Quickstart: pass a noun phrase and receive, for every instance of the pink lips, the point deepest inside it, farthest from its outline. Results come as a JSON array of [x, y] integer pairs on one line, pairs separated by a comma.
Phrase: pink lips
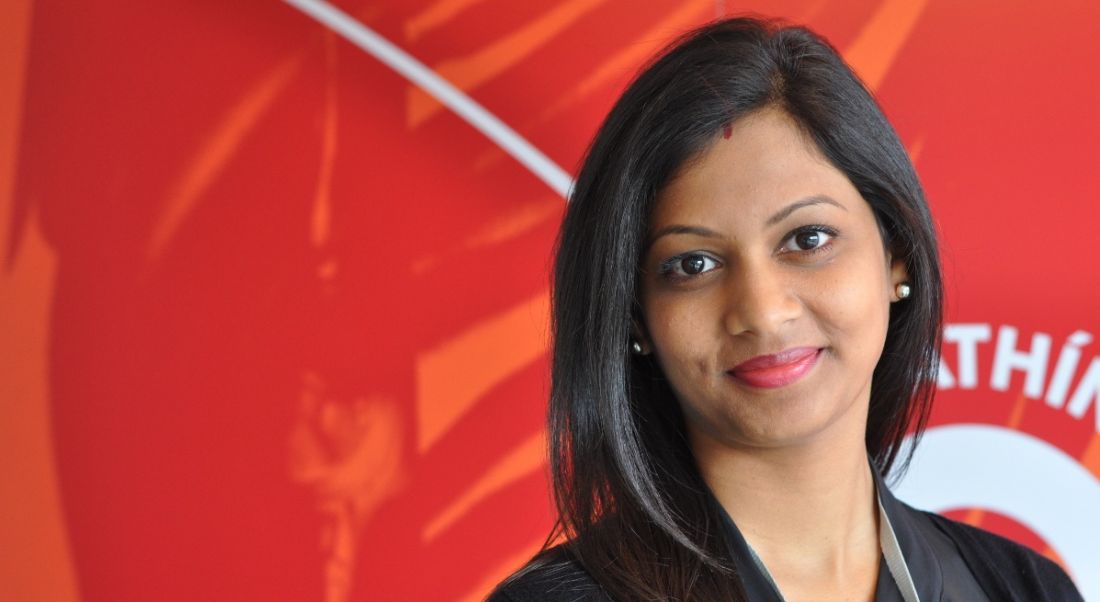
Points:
[[777, 370]]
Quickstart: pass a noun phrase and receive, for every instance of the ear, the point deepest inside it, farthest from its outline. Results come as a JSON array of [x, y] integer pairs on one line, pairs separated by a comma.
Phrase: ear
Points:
[[638, 333], [899, 274]]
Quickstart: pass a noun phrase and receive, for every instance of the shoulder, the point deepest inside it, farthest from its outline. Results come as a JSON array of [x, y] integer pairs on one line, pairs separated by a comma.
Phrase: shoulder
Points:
[[1004, 565], [553, 576]]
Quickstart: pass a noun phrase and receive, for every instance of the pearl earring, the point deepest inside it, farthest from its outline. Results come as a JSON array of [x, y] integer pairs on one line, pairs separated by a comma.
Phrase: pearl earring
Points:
[[636, 347], [903, 290]]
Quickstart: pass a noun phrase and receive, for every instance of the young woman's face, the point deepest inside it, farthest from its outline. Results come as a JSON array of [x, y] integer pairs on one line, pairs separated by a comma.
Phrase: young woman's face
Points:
[[766, 289]]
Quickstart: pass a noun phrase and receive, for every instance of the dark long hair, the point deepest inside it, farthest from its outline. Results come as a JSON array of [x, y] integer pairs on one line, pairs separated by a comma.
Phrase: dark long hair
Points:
[[629, 495]]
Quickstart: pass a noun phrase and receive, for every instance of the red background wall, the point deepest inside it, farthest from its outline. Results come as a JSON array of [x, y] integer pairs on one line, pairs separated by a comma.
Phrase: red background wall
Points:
[[273, 319]]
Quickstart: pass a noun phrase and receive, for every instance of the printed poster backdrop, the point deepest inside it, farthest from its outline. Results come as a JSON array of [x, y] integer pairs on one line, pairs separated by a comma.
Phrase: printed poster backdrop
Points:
[[274, 302]]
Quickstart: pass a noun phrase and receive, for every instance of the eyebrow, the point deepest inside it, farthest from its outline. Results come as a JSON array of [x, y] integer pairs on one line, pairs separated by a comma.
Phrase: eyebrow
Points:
[[817, 199], [678, 229], [782, 214]]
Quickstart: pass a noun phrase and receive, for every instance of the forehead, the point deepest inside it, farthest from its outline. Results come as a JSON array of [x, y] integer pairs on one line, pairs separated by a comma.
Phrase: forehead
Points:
[[764, 163]]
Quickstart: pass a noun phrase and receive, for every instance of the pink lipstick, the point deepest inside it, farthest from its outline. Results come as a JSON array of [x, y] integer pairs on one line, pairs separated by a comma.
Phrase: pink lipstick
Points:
[[778, 369]]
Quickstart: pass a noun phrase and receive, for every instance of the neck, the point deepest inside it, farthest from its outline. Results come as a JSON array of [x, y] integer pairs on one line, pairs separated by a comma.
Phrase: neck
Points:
[[817, 498]]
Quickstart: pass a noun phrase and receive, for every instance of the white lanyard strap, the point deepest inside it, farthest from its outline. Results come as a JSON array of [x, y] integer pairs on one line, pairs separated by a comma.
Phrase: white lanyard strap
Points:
[[891, 551]]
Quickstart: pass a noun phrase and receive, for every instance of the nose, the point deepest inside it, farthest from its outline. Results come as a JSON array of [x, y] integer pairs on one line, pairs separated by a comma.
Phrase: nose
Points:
[[761, 300]]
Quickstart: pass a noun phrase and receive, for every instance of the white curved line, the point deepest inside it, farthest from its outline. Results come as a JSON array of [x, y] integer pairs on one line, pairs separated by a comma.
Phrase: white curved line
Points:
[[1015, 474], [451, 97]]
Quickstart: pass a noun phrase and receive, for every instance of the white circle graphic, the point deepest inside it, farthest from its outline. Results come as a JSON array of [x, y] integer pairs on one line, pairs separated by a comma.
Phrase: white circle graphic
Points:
[[1019, 476]]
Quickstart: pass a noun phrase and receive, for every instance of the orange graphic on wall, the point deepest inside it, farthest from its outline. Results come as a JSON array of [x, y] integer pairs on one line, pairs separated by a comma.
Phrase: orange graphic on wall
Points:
[[275, 320]]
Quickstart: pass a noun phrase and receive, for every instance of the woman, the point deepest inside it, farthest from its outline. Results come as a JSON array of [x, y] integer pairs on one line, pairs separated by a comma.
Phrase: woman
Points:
[[747, 307]]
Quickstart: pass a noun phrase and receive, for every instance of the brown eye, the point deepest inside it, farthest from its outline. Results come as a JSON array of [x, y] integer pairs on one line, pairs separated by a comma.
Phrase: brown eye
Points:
[[686, 266], [807, 240], [693, 265]]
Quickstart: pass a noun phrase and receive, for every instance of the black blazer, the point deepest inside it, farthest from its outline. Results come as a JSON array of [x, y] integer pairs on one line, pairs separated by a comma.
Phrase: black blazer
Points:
[[948, 561]]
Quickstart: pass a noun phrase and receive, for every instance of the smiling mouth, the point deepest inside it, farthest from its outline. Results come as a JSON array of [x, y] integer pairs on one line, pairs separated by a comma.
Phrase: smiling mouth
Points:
[[778, 369]]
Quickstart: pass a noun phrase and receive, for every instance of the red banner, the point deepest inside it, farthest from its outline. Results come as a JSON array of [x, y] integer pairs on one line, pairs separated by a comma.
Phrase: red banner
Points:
[[275, 279]]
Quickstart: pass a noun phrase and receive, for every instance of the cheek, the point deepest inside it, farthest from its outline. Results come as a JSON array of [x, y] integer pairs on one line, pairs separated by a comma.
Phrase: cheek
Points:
[[678, 330], [865, 307], [854, 304]]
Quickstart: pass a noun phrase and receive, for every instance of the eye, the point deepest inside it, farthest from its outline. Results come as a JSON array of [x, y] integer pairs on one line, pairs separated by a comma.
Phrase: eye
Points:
[[685, 266], [808, 239]]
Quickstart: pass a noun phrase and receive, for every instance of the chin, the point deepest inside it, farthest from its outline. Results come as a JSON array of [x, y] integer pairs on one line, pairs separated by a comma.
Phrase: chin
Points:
[[794, 424]]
